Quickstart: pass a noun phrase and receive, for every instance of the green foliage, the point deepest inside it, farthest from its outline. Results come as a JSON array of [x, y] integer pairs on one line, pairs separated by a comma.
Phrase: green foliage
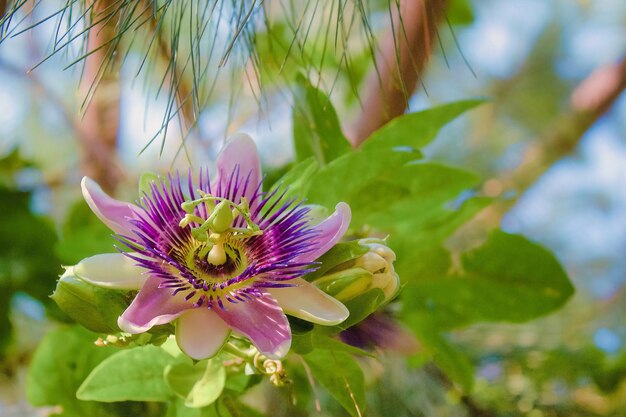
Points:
[[362, 306], [341, 375], [198, 384], [26, 241], [94, 307], [316, 129], [450, 359], [460, 12], [133, 374], [27, 260], [338, 254], [506, 279], [83, 235], [63, 360], [418, 129], [419, 204]]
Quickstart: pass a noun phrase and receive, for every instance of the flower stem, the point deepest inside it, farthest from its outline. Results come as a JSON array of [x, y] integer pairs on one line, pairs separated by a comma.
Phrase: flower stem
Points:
[[235, 351]]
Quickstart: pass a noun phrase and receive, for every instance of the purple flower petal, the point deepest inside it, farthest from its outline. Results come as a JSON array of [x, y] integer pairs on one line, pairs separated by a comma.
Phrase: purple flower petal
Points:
[[201, 333], [327, 233], [112, 270], [152, 306], [238, 169], [306, 301], [263, 322], [115, 214]]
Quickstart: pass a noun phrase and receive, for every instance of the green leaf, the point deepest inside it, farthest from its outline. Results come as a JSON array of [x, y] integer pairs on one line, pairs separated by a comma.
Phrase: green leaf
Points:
[[200, 384], [460, 12], [133, 374], [297, 180], [27, 260], [6, 327], [351, 173], [329, 343], [83, 234], [362, 306], [239, 382], [319, 339], [94, 307], [449, 358], [228, 406], [316, 129], [417, 129], [507, 279], [415, 245], [409, 197], [342, 377], [145, 182], [62, 361]]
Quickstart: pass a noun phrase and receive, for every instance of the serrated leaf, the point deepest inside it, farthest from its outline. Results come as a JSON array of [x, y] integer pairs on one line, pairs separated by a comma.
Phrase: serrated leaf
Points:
[[135, 374], [200, 384], [341, 376], [316, 129]]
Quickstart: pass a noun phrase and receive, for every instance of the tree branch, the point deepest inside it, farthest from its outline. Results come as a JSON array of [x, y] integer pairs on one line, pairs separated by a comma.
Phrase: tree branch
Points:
[[590, 100], [404, 52], [101, 88]]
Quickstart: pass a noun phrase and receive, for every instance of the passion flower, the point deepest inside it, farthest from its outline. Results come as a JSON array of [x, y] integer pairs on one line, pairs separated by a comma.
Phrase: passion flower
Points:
[[217, 255]]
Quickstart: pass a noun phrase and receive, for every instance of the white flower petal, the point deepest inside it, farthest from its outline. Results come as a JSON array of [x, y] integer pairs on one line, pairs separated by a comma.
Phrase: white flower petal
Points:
[[112, 270], [306, 301], [201, 333]]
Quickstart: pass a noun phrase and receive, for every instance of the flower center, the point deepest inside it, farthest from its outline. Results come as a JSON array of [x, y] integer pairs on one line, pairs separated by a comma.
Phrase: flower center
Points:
[[215, 255]]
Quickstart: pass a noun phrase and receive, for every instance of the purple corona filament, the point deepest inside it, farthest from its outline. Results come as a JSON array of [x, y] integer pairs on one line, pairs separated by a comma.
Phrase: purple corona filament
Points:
[[264, 260]]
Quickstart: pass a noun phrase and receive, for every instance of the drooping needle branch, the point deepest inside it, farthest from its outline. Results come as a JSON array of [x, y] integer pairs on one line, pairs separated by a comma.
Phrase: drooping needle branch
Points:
[[403, 54]]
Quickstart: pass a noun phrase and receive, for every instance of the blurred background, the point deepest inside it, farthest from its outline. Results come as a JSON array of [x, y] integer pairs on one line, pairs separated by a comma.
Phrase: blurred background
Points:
[[550, 146]]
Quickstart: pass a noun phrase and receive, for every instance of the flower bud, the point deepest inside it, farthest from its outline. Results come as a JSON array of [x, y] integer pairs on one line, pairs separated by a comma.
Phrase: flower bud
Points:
[[379, 260], [94, 307], [372, 269]]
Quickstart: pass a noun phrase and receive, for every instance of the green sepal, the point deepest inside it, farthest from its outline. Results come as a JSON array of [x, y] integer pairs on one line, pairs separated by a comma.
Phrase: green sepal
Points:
[[340, 253], [345, 285], [95, 308]]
